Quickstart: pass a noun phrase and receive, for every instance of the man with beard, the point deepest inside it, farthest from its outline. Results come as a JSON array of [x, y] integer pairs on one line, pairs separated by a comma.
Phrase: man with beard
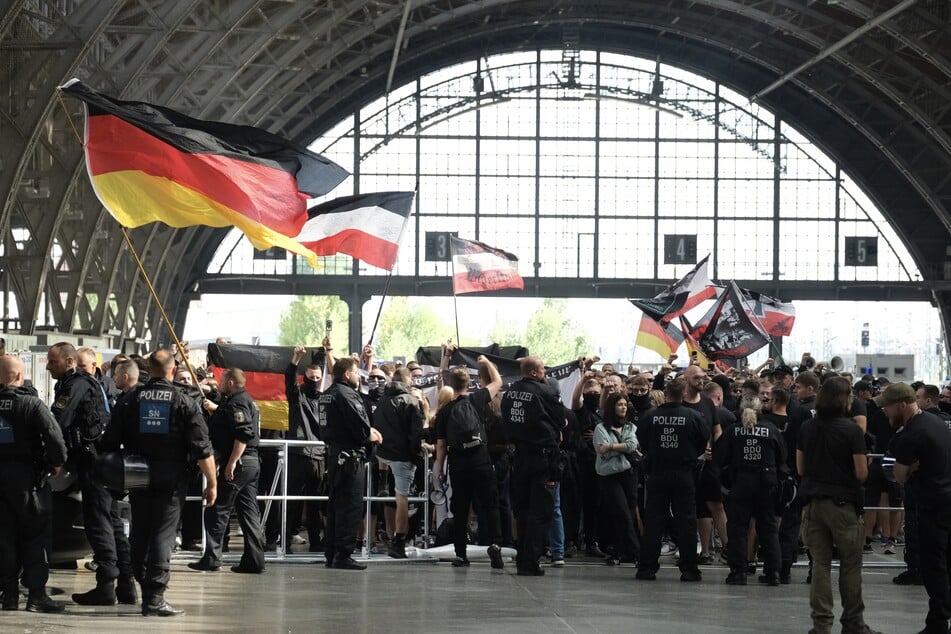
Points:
[[922, 451]]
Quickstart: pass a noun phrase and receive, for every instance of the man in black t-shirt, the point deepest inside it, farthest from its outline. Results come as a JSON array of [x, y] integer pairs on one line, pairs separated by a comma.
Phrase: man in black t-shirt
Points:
[[922, 453], [831, 458], [460, 434], [710, 509]]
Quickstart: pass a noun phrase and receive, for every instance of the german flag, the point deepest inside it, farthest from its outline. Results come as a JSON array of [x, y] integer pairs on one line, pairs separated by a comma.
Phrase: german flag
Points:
[[149, 164], [661, 338], [264, 375]]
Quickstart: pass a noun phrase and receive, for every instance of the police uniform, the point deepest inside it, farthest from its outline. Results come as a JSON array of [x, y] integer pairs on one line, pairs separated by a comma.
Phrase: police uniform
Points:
[[673, 437], [533, 418], [345, 427], [752, 457], [159, 422], [80, 408], [925, 440], [30, 443], [237, 418], [791, 516]]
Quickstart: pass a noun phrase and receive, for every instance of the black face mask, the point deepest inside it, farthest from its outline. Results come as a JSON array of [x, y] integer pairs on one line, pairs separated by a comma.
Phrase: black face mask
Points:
[[641, 402], [590, 401], [311, 388], [375, 393], [944, 406]]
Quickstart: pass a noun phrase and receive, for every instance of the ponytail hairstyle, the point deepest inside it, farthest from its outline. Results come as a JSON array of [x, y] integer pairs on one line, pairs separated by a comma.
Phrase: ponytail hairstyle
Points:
[[750, 408]]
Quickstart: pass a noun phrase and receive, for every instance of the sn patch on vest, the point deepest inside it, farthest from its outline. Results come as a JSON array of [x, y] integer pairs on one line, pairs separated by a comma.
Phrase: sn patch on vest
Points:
[[154, 417], [6, 432]]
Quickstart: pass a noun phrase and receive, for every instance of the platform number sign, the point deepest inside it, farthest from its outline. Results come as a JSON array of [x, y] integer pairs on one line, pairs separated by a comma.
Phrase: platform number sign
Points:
[[438, 248], [680, 249], [861, 251]]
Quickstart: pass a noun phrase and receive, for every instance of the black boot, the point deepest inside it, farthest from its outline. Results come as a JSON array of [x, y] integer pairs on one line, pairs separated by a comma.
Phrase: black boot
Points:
[[38, 601], [103, 594], [397, 548], [737, 577], [125, 591]]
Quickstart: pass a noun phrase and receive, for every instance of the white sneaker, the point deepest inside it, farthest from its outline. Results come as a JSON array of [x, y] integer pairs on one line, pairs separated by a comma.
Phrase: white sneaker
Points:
[[558, 563]]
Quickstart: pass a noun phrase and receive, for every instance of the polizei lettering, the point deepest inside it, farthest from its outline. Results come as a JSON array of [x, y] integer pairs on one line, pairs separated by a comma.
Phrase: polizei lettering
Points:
[[762, 432], [6, 406], [155, 395]]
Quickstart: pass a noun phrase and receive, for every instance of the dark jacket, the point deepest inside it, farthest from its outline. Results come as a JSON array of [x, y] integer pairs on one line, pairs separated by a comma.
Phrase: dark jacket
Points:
[[79, 406], [343, 417], [28, 432], [302, 414], [399, 419], [237, 418]]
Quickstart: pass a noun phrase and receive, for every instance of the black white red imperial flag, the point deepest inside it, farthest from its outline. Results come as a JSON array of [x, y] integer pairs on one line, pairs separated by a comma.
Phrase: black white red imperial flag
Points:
[[478, 267], [367, 227]]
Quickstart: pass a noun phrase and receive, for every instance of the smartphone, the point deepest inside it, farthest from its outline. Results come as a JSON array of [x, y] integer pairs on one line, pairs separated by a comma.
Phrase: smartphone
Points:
[[710, 366], [329, 325]]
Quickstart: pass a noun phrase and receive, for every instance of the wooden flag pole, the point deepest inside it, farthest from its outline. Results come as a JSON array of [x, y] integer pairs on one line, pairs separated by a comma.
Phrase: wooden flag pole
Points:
[[386, 290]]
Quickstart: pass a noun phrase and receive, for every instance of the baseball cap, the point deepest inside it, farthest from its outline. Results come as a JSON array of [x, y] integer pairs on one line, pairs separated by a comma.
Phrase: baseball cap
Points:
[[896, 393], [862, 386], [782, 369]]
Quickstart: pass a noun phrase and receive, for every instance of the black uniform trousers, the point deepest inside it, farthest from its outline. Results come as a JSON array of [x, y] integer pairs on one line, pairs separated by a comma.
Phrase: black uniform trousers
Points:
[[502, 474], [239, 495], [789, 528], [469, 484], [348, 483], [25, 529], [934, 533], [103, 526], [618, 501], [753, 495], [156, 511], [912, 548], [305, 476], [670, 488], [591, 520], [533, 504]]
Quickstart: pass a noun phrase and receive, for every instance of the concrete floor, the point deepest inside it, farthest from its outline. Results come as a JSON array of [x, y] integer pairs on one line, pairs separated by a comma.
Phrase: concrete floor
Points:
[[420, 596]]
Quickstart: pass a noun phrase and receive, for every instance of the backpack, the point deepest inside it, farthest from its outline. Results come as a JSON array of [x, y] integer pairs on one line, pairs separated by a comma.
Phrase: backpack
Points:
[[464, 429]]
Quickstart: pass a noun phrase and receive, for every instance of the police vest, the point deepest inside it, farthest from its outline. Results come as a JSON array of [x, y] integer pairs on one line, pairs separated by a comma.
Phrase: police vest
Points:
[[753, 448], [526, 419]]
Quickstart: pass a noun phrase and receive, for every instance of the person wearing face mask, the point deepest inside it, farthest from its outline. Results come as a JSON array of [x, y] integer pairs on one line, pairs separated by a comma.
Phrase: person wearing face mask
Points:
[[585, 402], [344, 425], [614, 441], [639, 400], [306, 465]]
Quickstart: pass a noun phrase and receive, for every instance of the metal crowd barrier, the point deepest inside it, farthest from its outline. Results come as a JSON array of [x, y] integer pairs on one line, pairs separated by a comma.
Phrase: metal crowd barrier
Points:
[[280, 479]]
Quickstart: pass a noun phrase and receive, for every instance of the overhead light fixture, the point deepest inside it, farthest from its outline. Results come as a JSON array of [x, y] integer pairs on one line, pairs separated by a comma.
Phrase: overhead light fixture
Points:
[[634, 102]]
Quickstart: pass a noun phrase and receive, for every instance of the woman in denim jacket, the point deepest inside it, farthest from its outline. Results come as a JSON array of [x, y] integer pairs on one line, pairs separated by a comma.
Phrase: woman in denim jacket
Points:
[[615, 443]]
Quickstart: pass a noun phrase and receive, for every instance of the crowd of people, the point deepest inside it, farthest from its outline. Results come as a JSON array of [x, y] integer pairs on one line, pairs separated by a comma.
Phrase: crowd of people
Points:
[[745, 466]]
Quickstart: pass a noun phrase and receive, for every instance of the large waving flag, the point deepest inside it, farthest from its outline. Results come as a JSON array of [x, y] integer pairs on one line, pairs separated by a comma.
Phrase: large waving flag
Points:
[[149, 163], [662, 337], [776, 318], [728, 331], [692, 345], [681, 296], [479, 267], [367, 226]]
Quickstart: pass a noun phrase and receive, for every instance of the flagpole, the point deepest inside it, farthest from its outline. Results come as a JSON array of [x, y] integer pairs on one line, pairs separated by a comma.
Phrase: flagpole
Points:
[[138, 262], [386, 290], [158, 302]]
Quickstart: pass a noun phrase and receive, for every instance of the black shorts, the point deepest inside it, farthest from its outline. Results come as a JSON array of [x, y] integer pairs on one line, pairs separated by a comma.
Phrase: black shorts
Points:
[[876, 485], [708, 487]]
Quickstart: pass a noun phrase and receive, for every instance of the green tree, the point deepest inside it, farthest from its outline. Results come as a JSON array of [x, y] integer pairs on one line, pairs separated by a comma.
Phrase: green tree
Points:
[[506, 333], [404, 327], [554, 337], [304, 321]]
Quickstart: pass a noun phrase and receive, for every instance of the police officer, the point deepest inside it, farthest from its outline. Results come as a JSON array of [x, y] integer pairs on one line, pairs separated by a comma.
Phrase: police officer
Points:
[[79, 406], [345, 427], [922, 451], [751, 453], [31, 445], [234, 429], [159, 422], [533, 418], [673, 437]]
